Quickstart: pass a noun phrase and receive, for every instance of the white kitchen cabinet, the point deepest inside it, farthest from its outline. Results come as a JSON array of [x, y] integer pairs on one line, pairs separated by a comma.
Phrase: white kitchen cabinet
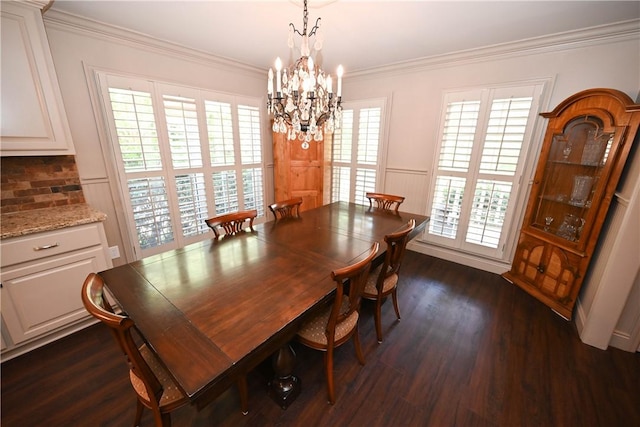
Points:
[[3, 343], [42, 275], [33, 119]]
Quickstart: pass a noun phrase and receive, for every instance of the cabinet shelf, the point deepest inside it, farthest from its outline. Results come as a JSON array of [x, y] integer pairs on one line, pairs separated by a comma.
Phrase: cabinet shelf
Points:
[[563, 201], [569, 163]]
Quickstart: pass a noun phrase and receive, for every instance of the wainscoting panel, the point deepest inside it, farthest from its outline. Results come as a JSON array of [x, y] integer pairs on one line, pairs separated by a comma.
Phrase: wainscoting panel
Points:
[[412, 184], [98, 195]]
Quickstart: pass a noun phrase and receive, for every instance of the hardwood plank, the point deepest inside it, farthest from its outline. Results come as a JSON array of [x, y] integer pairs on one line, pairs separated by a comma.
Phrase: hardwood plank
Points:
[[471, 349]]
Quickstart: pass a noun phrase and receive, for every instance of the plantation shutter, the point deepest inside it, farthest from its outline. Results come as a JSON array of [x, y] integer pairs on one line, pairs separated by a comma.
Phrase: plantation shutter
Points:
[[484, 136], [356, 151], [251, 155], [183, 155]]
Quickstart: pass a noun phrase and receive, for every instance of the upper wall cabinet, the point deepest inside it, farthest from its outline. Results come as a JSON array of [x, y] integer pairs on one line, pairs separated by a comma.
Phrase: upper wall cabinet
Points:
[[33, 120], [586, 144]]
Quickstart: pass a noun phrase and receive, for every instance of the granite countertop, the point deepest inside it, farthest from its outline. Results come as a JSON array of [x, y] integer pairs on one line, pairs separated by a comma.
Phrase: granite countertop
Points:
[[17, 224]]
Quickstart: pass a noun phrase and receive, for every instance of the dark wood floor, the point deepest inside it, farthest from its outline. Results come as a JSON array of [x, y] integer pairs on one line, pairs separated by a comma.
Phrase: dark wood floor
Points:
[[470, 350]]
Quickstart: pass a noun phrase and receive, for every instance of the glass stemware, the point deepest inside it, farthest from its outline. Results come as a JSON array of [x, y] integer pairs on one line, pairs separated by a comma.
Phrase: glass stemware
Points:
[[566, 151]]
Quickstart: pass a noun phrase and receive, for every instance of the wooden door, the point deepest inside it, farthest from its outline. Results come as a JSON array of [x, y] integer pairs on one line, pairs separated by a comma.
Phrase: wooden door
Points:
[[299, 172]]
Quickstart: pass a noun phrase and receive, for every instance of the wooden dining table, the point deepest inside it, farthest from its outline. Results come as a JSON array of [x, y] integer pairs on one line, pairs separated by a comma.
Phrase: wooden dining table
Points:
[[214, 310]]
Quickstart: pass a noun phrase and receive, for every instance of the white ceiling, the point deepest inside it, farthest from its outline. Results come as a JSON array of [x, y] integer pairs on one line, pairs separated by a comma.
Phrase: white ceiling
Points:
[[357, 34]]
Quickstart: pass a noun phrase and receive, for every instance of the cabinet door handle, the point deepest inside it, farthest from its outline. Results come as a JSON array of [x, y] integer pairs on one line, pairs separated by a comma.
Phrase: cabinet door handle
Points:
[[540, 268], [43, 247]]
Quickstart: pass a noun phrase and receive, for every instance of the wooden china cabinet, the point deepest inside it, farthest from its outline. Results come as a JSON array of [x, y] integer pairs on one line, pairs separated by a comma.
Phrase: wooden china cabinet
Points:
[[300, 172], [585, 147]]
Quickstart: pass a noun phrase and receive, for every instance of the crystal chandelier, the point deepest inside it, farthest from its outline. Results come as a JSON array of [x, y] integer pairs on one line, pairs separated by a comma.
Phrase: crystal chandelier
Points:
[[304, 105]]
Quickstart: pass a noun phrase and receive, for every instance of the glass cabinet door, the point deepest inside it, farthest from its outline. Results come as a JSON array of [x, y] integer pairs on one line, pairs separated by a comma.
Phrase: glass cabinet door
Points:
[[574, 166]]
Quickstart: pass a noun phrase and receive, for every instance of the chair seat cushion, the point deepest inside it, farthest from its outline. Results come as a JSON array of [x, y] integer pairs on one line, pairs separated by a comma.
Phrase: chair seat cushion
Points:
[[370, 290], [170, 394], [314, 329]]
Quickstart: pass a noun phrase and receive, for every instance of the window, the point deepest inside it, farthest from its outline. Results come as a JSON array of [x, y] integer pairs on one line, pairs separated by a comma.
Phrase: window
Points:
[[183, 155], [484, 138], [356, 151]]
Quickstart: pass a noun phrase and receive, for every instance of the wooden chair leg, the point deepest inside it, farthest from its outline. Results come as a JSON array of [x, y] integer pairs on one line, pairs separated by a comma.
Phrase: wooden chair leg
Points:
[[328, 366], [395, 302], [244, 394], [356, 343], [377, 315], [139, 410]]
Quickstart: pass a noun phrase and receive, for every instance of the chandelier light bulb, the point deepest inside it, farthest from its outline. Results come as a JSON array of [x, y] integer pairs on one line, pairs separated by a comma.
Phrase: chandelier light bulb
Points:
[[278, 81]]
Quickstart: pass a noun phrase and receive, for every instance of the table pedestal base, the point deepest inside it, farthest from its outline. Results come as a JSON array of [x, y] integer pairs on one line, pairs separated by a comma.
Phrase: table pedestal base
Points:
[[285, 387]]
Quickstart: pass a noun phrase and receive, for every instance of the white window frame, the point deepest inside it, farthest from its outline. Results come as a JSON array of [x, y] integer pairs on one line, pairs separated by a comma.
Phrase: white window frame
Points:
[[356, 189], [485, 96], [157, 90]]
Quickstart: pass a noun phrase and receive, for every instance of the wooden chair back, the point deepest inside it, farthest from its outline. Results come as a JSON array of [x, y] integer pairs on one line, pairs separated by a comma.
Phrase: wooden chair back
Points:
[[355, 277], [232, 223], [396, 247], [123, 329], [340, 320], [286, 208], [383, 280], [385, 201]]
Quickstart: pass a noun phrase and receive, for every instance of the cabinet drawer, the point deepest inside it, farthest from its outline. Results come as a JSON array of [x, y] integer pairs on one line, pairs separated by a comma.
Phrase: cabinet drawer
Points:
[[41, 245], [46, 297]]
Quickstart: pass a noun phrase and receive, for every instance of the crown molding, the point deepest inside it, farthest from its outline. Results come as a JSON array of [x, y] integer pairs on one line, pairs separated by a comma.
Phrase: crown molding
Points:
[[40, 4], [620, 31], [89, 28], [610, 33]]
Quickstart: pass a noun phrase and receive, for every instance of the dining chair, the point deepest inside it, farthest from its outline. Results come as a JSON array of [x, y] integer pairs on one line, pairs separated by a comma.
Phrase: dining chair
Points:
[[383, 280], [152, 383], [231, 223], [385, 201], [338, 322], [286, 208]]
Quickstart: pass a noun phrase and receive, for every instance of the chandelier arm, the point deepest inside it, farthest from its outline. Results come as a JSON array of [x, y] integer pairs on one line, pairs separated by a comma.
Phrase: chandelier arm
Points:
[[313, 31], [315, 28], [293, 27], [287, 118], [323, 118], [279, 110], [330, 111]]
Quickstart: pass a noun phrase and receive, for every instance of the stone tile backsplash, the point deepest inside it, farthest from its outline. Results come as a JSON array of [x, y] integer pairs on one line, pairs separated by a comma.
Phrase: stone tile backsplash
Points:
[[38, 182]]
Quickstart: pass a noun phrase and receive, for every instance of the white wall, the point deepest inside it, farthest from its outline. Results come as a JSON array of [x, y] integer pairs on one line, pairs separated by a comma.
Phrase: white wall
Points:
[[607, 57], [609, 309]]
